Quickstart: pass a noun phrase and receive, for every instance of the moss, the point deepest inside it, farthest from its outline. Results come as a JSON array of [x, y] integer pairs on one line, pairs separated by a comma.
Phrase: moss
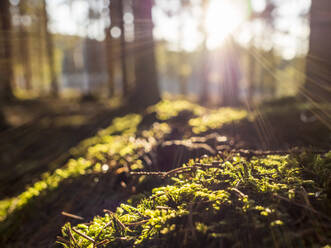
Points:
[[213, 202], [167, 109], [94, 153], [266, 201], [216, 119]]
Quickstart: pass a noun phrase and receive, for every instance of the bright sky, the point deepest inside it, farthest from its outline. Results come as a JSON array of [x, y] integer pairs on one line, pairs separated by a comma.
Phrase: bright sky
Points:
[[223, 18]]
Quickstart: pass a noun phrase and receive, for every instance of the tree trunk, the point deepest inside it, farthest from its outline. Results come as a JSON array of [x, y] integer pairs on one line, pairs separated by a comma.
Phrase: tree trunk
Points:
[[251, 74], [231, 76], [318, 71], [50, 53], [204, 80], [6, 70], [123, 50], [41, 58], [24, 48], [146, 90], [110, 62], [116, 11]]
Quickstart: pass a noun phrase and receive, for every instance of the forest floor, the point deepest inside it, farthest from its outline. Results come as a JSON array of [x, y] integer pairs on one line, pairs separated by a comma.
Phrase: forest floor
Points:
[[49, 184], [40, 134]]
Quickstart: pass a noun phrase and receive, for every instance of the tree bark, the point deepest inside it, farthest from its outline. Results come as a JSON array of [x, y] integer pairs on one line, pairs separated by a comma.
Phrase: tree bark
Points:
[[251, 74], [146, 91], [318, 71], [123, 50], [204, 53], [24, 48], [110, 62], [6, 70], [50, 53]]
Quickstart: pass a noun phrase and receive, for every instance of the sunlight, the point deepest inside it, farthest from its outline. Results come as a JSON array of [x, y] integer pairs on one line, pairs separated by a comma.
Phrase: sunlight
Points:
[[223, 17]]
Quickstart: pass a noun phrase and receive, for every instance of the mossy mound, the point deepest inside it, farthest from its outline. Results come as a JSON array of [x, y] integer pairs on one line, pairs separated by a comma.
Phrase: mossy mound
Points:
[[253, 200], [223, 201]]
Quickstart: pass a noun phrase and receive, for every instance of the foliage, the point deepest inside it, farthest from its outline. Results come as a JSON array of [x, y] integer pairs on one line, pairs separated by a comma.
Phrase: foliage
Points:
[[230, 201]]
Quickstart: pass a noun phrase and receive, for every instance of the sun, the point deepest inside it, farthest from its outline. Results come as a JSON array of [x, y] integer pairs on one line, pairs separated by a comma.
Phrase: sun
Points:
[[223, 17]]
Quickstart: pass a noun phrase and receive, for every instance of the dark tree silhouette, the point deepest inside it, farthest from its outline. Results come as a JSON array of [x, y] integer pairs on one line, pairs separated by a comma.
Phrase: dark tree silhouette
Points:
[[6, 71], [318, 82], [146, 89]]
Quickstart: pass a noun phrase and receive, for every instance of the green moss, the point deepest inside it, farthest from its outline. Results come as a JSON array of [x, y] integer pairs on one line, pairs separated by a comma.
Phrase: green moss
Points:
[[216, 119], [95, 152], [213, 202], [167, 109], [122, 125]]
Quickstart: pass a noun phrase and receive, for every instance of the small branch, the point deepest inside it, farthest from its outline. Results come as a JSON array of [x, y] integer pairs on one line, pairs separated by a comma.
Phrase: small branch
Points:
[[215, 164], [60, 239], [148, 173], [250, 153], [96, 239], [163, 207], [115, 217], [72, 237], [303, 206], [72, 216], [241, 194], [103, 242], [83, 235], [138, 223]]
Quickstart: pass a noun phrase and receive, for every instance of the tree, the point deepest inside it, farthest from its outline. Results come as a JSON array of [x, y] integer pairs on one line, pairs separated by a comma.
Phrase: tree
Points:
[[318, 70], [110, 59], [204, 52], [6, 70], [230, 75], [123, 49], [50, 52], [268, 20], [146, 89], [24, 46]]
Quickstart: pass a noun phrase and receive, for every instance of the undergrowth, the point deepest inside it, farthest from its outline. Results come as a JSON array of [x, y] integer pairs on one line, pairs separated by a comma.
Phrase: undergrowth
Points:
[[273, 201]]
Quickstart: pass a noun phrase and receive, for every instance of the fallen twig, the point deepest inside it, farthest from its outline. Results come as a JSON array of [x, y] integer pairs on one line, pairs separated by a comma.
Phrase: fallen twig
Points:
[[138, 223], [303, 206], [115, 217], [83, 235], [72, 215], [60, 239], [241, 194], [72, 237]]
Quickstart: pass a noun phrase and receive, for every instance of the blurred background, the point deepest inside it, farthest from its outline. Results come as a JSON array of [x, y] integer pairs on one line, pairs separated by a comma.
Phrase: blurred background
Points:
[[222, 52]]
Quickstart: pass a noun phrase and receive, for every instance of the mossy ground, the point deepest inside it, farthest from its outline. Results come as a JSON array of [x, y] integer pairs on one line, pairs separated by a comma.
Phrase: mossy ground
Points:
[[98, 177], [214, 202]]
